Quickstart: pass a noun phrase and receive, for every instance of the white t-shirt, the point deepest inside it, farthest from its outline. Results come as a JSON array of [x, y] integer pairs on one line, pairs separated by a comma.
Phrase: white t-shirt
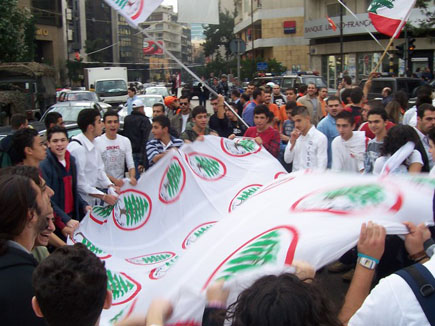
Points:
[[415, 157], [310, 151], [348, 155], [392, 303], [185, 117], [115, 154]]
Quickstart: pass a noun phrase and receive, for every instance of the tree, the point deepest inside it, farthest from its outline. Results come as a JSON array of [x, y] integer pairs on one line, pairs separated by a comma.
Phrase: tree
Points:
[[426, 27], [17, 33], [219, 35]]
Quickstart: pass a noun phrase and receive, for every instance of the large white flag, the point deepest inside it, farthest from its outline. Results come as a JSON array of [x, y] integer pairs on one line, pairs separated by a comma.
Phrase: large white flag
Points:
[[220, 209], [135, 11], [198, 11]]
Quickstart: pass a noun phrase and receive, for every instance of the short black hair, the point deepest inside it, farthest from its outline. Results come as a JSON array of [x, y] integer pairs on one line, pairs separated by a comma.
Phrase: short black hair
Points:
[[54, 130], [290, 105], [347, 79], [257, 92], [356, 95], [396, 137], [20, 140], [379, 111], [184, 97], [375, 104], [345, 115], [213, 97], [332, 98], [300, 110], [431, 135], [198, 110], [71, 279], [132, 89], [162, 121], [424, 91], [110, 113], [345, 95], [291, 89], [159, 104], [50, 118], [262, 108], [423, 108], [17, 120], [87, 117], [302, 88], [235, 92], [245, 96], [402, 98]]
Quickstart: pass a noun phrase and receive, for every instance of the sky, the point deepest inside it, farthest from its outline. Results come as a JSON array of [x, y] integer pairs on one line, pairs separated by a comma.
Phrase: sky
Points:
[[171, 2]]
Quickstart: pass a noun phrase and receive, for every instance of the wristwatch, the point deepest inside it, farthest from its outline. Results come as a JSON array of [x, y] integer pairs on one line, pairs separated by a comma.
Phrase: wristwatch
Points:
[[367, 263]]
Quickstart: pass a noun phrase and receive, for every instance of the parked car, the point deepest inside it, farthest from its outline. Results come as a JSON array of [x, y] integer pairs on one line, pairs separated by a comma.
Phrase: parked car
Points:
[[71, 127], [409, 85], [71, 110], [260, 81], [295, 81], [159, 90], [68, 96]]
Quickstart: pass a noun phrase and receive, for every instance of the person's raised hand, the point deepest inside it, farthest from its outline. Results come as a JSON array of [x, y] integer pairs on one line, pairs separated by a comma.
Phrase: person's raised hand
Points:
[[372, 240]]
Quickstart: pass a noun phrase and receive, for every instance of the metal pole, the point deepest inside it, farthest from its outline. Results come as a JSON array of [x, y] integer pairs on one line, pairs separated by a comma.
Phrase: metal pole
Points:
[[341, 41], [238, 60], [405, 52], [252, 34]]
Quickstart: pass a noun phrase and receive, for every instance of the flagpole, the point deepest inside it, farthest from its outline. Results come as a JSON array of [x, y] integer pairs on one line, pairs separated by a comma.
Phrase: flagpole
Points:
[[355, 16], [187, 69], [383, 54]]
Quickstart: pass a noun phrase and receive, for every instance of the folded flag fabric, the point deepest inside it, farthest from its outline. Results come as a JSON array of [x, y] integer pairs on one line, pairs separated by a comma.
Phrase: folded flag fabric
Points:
[[331, 23], [135, 11], [389, 16]]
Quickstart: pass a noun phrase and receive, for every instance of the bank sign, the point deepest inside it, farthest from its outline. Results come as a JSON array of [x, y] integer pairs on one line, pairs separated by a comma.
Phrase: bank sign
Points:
[[320, 27]]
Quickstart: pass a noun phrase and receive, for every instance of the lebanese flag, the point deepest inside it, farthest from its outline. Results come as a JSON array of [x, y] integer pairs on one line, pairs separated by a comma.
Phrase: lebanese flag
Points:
[[389, 16], [331, 23]]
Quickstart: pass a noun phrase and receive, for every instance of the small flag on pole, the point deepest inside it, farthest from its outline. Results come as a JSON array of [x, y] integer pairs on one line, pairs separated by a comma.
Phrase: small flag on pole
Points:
[[389, 16], [135, 11], [331, 23]]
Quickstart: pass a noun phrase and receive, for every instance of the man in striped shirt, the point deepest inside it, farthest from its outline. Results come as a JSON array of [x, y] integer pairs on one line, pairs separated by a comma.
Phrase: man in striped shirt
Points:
[[162, 142]]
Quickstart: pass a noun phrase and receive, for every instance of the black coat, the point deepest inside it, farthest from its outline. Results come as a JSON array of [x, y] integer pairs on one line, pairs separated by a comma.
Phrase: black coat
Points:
[[16, 292], [137, 128]]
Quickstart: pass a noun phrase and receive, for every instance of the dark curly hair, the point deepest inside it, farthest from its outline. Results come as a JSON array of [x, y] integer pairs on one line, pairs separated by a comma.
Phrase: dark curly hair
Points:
[[398, 136], [282, 300]]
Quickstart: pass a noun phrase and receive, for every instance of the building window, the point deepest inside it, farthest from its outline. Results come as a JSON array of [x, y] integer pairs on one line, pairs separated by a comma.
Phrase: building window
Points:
[[333, 10]]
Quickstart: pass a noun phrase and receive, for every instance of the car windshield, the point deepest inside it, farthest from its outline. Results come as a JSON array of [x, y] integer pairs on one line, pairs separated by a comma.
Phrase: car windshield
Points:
[[318, 81], [69, 113], [84, 96], [157, 90], [111, 86], [148, 101]]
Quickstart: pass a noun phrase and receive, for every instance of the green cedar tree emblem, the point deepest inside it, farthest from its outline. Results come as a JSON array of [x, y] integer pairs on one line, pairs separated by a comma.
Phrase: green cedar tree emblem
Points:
[[361, 195], [247, 144], [103, 211], [174, 177], [79, 237], [207, 167], [119, 285], [133, 210], [262, 251], [378, 4], [173, 182], [243, 196], [151, 259]]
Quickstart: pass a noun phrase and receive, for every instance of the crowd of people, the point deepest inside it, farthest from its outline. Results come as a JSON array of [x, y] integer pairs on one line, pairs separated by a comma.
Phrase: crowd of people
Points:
[[51, 182]]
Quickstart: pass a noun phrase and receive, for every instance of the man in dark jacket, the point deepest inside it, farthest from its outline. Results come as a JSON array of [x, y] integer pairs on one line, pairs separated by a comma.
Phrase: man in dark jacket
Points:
[[24, 207], [137, 128], [60, 172]]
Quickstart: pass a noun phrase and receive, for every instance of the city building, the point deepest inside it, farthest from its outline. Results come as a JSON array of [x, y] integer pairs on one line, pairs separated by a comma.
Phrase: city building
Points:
[[360, 52], [274, 29]]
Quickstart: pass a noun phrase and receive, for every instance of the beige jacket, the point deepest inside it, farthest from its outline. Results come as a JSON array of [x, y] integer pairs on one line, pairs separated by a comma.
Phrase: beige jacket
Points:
[[305, 101]]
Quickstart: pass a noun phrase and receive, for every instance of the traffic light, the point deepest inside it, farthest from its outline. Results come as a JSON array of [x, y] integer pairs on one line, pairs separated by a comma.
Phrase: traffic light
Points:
[[411, 47], [400, 50]]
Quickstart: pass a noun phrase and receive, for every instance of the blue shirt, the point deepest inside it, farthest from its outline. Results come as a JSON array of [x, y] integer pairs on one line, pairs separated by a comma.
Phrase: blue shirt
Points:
[[129, 104], [328, 128], [155, 147], [248, 114]]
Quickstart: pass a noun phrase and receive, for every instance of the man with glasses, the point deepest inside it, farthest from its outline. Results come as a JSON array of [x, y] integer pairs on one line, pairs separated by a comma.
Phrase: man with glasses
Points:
[[181, 120], [328, 126]]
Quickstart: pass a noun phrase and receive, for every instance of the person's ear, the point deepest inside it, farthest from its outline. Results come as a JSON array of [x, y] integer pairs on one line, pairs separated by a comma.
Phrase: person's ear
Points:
[[27, 151], [36, 308], [108, 300]]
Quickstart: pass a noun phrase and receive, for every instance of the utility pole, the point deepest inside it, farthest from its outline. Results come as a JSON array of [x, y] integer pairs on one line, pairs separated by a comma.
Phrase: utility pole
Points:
[[341, 42], [252, 35]]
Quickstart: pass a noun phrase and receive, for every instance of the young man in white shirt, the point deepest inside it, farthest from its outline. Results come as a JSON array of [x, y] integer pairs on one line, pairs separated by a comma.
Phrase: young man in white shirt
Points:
[[377, 120], [90, 166], [115, 150], [308, 147], [349, 147]]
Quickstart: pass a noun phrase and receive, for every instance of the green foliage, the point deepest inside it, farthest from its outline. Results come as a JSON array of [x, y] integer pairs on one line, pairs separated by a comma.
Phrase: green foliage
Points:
[[217, 35], [249, 67], [426, 28], [75, 69], [94, 45], [17, 33]]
